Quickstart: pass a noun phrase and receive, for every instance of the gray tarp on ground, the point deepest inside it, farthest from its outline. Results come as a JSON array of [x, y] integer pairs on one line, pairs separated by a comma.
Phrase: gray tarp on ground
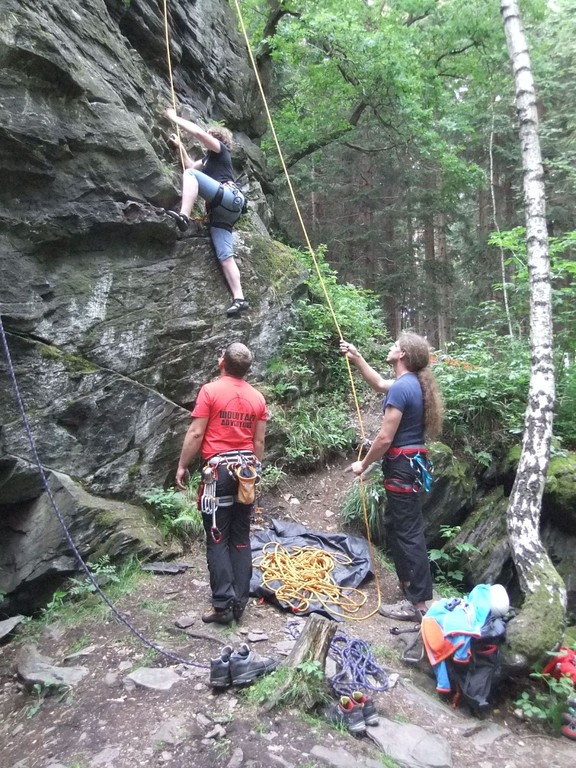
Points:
[[296, 535]]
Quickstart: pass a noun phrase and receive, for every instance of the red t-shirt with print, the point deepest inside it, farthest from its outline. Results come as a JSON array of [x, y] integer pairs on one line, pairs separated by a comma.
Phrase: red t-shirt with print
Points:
[[233, 407]]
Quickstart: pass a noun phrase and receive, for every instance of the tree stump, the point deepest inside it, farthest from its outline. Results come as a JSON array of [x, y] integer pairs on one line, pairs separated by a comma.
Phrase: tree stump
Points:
[[312, 646]]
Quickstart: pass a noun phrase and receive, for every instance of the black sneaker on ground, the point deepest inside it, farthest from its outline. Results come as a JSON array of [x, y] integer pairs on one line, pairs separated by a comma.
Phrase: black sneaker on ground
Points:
[[182, 221], [216, 616], [246, 665], [348, 713], [368, 708], [220, 676], [237, 306]]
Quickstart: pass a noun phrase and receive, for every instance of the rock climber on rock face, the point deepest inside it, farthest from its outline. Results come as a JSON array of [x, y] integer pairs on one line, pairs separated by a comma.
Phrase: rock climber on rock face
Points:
[[212, 179]]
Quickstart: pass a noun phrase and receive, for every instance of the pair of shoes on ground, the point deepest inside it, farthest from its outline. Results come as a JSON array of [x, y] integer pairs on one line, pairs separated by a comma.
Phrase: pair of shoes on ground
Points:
[[239, 667], [402, 611], [237, 306], [182, 221], [353, 712]]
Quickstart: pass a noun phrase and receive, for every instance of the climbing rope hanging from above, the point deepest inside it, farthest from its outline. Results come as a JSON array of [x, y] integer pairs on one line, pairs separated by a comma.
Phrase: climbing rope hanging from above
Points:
[[363, 439]]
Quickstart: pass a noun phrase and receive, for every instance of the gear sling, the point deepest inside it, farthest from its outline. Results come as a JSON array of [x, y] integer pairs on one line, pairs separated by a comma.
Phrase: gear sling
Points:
[[244, 469]]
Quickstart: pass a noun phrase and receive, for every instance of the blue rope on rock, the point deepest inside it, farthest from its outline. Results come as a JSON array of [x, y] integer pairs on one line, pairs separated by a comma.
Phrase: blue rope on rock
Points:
[[122, 619]]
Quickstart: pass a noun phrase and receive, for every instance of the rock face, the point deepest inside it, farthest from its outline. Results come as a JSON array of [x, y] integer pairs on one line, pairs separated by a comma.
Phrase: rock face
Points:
[[113, 318]]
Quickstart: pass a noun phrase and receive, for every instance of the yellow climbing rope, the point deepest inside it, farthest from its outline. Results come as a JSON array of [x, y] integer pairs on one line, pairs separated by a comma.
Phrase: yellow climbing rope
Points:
[[314, 260], [303, 576]]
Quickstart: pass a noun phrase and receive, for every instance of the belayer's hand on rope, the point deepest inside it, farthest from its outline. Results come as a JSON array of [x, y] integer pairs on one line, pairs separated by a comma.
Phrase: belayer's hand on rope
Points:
[[349, 350]]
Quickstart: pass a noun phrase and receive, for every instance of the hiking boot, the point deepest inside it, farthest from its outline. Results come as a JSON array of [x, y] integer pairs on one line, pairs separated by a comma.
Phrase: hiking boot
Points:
[[220, 676], [216, 616], [347, 713], [368, 708], [182, 221], [246, 665], [237, 306]]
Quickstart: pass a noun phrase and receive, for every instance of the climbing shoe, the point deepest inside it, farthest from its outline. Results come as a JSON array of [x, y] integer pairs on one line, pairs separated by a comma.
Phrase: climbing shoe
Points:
[[368, 708], [246, 665], [237, 306], [347, 713], [182, 221], [216, 616], [220, 676], [402, 611]]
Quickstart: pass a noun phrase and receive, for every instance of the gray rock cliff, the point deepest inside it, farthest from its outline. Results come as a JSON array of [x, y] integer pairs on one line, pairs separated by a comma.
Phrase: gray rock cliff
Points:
[[113, 318]]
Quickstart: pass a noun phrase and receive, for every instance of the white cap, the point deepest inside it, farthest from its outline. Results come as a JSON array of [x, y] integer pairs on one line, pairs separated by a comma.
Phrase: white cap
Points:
[[499, 600]]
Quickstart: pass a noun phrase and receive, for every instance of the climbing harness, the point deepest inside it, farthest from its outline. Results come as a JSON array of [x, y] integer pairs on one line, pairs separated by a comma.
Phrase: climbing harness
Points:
[[420, 462], [244, 469]]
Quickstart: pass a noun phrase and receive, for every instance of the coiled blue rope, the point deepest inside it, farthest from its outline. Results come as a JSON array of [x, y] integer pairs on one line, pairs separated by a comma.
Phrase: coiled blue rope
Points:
[[355, 662]]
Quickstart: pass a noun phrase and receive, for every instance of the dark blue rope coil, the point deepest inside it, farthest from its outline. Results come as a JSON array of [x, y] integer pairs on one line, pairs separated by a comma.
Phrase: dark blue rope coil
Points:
[[122, 619], [355, 662], [356, 665]]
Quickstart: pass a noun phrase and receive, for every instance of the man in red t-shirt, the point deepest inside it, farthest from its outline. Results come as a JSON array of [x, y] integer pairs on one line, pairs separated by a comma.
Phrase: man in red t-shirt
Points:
[[228, 420]]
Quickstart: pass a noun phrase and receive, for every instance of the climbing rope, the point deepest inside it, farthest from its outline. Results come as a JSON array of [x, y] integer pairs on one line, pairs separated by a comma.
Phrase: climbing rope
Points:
[[119, 616], [312, 252], [357, 668], [356, 665], [303, 576], [171, 80]]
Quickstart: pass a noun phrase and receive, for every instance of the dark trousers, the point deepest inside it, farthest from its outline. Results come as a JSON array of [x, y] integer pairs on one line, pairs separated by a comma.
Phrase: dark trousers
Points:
[[230, 559], [404, 526]]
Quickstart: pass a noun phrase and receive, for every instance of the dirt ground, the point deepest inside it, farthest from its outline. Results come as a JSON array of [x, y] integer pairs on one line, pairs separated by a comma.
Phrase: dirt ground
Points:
[[102, 722]]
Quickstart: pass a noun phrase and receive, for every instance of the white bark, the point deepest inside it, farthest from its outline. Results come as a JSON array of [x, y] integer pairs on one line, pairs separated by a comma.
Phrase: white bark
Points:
[[534, 568]]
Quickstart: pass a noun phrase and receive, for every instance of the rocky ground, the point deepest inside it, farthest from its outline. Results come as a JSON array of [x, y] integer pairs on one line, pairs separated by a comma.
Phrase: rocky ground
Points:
[[107, 719]]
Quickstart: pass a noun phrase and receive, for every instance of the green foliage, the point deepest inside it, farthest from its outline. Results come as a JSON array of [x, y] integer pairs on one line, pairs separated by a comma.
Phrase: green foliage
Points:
[[308, 382], [306, 688], [178, 512], [102, 570], [546, 706], [449, 577], [372, 498], [562, 275], [313, 430], [272, 476], [39, 691], [484, 383]]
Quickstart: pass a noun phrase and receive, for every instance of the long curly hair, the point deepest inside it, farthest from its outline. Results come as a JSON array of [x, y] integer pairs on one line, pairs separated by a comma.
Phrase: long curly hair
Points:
[[222, 134], [417, 360]]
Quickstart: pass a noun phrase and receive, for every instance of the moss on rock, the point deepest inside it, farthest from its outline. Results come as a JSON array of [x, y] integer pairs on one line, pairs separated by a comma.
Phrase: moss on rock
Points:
[[539, 626]]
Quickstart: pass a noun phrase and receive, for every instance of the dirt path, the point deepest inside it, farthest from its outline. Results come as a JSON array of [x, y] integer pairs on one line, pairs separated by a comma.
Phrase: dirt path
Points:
[[104, 722]]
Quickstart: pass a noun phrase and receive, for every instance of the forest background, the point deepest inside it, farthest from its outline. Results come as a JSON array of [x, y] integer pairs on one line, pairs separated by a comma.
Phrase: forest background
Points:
[[398, 129]]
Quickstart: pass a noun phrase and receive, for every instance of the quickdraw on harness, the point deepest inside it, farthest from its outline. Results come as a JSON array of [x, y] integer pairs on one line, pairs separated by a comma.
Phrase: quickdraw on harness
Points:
[[245, 469], [208, 499], [422, 465]]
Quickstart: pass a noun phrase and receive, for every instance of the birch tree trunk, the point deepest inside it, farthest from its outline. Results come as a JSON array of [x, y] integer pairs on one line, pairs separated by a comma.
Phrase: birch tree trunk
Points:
[[540, 624]]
